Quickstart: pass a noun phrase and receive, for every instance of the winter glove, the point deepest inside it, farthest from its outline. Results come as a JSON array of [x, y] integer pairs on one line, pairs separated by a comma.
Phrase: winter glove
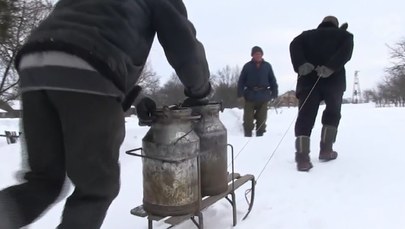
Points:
[[305, 69], [145, 110], [130, 97], [191, 102], [323, 71], [202, 95]]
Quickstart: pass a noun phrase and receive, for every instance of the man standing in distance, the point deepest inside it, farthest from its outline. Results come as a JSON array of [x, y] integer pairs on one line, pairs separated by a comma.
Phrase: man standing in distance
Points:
[[257, 85]]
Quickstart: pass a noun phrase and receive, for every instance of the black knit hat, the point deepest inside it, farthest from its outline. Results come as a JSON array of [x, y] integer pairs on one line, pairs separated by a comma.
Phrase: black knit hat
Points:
[[256, 49], [331, 19]]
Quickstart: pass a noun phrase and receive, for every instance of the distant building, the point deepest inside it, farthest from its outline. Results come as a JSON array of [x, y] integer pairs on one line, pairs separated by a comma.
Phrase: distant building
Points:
[[287, 99]]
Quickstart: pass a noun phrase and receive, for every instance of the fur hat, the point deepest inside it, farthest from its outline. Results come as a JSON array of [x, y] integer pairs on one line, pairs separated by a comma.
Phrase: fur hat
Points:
[[256, 49], [331, 19]]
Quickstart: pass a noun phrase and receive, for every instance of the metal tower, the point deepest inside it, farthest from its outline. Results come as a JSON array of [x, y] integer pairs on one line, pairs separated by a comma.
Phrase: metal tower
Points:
[[356, 98]]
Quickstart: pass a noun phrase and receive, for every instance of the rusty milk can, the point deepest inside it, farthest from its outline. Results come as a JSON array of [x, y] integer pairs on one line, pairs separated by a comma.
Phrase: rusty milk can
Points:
[[213, 149], [170, 169]]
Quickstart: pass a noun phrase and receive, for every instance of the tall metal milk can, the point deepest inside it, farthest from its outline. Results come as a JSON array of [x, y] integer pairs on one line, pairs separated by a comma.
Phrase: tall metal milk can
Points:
[[170, 169], [213, 149]]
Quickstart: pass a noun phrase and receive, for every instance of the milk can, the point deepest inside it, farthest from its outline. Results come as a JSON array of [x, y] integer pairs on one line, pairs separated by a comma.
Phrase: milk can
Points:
[[213, 149], [170, 170]]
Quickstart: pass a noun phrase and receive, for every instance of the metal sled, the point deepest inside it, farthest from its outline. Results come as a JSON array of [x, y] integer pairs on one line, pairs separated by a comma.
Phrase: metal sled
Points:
[[235, 180]]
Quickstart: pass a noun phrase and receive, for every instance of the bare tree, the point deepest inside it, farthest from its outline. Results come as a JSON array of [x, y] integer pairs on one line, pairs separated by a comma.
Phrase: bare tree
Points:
[[226, 76], [391, 91], [23, 16], [172, 92], [149, 80], [5, 18], [370, 95], [225, 86]]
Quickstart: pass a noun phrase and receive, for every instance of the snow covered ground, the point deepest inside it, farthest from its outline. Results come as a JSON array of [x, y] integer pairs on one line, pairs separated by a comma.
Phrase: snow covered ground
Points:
[[363, 188]]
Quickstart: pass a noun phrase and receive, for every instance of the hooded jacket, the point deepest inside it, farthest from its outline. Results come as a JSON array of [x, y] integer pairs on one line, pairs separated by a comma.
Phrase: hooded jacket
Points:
[[115, 38]]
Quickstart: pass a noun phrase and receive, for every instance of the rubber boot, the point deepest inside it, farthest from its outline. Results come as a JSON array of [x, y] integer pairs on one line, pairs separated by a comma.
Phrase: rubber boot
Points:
[[302, 153], [328, 137], [9, 218]]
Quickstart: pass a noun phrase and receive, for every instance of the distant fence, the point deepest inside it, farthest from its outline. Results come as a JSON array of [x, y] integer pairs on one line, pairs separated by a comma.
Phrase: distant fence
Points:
[[10, 114], [11, 136]]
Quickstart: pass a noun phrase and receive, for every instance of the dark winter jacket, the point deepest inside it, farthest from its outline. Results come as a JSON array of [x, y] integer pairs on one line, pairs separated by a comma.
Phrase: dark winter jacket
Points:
[[327, 45], [257, 84], [115, 38]]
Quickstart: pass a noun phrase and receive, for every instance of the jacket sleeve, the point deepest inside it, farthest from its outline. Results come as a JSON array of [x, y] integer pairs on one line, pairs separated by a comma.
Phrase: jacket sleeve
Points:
[[343, 54], [297, 52], [272, 80], [183, 51], [241, 82]]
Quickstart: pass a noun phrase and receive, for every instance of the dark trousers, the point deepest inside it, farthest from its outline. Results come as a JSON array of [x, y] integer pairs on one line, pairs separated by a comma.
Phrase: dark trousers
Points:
[[252, 111], [308, 104], [73, 134]]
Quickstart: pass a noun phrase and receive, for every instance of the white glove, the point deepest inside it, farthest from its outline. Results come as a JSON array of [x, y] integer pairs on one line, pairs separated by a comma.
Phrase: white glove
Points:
[[323, 71], [305, 69]]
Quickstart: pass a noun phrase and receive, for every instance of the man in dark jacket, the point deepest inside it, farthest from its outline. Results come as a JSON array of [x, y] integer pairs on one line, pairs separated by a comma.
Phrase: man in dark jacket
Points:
[[78, 73], [319, 57], [257, 85]]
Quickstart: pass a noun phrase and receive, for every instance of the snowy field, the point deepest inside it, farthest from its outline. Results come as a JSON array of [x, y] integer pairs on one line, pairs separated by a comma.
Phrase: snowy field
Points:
[[363, 188]]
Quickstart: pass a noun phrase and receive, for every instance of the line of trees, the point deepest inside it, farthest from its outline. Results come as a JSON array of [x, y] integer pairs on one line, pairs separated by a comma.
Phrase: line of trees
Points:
[[391, 91], [224, 82]]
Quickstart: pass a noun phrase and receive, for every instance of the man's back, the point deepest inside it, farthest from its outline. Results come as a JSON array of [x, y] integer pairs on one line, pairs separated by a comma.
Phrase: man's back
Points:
[[320, 45], [115, 37], [326, 45]]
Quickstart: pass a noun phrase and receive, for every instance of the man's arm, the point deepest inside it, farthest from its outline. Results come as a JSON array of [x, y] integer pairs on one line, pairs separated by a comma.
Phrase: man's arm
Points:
[[272, 78], [297, 52], [184, 52]]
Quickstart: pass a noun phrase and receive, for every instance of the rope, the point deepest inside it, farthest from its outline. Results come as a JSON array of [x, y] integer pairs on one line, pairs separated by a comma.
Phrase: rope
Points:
[[248, 191], [247, 142], [285, 133]]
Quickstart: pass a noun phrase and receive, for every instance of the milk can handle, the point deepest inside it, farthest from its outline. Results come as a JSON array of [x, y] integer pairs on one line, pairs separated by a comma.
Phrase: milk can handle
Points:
[[130, 152]]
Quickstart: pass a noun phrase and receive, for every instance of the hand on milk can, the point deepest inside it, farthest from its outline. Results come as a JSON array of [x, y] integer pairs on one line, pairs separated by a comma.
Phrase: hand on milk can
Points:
[[197, 99], [145, 110], [191, 102]]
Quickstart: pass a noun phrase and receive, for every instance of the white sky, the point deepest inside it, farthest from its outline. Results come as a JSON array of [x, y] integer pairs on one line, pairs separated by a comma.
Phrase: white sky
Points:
[[229, 28]]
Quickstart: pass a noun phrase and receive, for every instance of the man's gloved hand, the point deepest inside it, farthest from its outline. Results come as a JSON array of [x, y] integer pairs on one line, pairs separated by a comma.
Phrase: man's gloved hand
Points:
[[305, 69], [201, 94], [191, 102], [145, 110], [323, 71]]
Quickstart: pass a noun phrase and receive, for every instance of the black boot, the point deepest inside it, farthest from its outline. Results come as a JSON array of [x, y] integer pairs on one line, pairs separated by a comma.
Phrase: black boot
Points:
[[302, 154], [328, 137], [9, 216], [248, 133], [260, 133]]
